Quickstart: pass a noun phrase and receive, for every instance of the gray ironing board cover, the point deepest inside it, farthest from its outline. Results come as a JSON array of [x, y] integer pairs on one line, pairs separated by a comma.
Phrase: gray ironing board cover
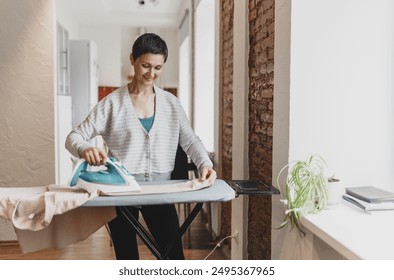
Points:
[[219, 191]]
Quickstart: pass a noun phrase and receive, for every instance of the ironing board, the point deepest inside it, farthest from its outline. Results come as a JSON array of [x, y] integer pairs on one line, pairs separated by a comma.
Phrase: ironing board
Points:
[[54, 235], [220, 191]]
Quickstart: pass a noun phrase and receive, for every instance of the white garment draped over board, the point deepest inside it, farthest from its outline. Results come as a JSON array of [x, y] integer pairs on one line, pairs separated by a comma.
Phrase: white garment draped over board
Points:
[[50, 217]]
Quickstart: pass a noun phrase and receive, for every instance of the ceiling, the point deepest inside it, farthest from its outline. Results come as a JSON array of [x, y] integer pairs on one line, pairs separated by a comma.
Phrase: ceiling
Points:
[[163, 13]]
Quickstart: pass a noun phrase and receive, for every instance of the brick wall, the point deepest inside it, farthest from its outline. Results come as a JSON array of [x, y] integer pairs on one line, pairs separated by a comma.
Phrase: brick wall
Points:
[[227, 8], [261, 77]]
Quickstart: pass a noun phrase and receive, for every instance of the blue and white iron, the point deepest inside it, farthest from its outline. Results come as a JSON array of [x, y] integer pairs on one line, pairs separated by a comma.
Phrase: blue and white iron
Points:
[[114, 179]]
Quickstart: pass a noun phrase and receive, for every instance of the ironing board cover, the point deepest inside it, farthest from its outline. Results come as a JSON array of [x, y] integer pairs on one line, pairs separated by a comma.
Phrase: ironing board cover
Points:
[[219, 191]]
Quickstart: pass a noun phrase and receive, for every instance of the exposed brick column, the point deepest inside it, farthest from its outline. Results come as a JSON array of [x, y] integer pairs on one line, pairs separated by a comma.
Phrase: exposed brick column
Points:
[[261, 88], [226, 28]]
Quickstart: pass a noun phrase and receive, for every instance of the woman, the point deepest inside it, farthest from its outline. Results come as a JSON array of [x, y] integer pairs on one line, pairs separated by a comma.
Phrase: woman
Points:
[[142, 125]]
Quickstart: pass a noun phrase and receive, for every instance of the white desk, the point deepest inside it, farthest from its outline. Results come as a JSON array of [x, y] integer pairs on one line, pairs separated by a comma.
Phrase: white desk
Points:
[[354, 233]]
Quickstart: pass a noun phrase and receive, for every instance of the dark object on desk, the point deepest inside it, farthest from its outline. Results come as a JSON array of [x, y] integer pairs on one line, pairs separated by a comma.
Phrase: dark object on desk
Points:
[[252, 187], [370, 194]]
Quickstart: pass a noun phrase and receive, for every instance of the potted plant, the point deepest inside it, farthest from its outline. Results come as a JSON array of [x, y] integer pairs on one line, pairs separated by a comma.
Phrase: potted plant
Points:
[[306, 191]]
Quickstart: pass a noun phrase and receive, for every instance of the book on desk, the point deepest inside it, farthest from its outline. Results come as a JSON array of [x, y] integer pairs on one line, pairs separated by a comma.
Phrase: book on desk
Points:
[[370, 198]]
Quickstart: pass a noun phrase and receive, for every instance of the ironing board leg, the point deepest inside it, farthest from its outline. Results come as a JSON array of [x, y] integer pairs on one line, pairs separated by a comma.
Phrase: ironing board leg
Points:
[[148, 239], [178, 235], [142, 233]]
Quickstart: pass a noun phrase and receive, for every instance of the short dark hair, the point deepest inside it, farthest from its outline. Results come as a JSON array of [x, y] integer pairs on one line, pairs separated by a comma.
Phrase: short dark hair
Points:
[[149, 43]]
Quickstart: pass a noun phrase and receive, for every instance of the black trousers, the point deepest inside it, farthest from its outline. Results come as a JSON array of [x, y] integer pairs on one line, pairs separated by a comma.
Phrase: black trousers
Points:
[[162, 222]]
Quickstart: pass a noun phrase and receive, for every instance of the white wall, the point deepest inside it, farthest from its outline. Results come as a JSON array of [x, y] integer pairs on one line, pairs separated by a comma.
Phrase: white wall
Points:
[[27, 148], [283, 244], [170, 74], [204, 73], [184, 76], [340, 91], [185, 49], [240, 168], [342, 69], [129, 35], [63, 14], [108, 40]]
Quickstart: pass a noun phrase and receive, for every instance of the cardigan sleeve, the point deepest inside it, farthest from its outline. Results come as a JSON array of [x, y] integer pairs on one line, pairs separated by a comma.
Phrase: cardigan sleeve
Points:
[[191, 143], [78, 139]]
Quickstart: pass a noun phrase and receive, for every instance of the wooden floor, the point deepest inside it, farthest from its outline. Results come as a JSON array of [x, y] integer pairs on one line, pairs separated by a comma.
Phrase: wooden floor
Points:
[[97, 247]]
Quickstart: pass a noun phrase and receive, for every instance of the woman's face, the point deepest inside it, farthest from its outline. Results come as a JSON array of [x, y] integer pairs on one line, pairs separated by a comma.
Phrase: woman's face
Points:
[[147, 68]]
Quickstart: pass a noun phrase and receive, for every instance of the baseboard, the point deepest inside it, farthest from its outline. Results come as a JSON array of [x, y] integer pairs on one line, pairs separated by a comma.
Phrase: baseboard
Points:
[[9, 243]]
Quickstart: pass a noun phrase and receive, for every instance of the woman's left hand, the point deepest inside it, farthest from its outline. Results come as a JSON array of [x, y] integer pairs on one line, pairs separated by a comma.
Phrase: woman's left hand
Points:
[[208, 175]]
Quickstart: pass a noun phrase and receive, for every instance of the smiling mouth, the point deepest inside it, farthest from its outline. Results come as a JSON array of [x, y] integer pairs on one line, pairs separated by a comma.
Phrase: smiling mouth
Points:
[[149, 78]]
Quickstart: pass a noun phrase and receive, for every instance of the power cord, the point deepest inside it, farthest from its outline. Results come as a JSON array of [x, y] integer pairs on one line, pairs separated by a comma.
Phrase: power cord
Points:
[[219, 244]]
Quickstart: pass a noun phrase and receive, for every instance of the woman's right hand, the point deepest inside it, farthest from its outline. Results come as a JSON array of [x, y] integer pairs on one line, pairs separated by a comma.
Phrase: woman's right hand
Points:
[[94, 156]]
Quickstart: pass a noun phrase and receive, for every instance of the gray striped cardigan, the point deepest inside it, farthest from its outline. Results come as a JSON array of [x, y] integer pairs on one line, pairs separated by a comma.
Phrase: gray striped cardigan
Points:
[[144, 154]]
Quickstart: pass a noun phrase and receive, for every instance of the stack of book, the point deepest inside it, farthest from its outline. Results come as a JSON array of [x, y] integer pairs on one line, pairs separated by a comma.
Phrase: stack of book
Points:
[[370, 198]]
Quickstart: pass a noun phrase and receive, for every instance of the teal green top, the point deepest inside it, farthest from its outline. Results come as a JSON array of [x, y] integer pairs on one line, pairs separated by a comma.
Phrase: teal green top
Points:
[[147, 122]]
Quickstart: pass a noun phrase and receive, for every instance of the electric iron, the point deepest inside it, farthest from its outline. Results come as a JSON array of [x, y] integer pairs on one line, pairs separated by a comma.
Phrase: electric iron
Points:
[[115, 179]]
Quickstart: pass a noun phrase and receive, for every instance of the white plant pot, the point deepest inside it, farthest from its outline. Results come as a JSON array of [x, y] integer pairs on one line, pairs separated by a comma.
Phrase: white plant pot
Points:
[[335, 190]]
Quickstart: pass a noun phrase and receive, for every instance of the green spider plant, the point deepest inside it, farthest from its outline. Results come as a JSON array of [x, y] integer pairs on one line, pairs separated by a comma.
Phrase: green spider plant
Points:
[[305, 189]]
